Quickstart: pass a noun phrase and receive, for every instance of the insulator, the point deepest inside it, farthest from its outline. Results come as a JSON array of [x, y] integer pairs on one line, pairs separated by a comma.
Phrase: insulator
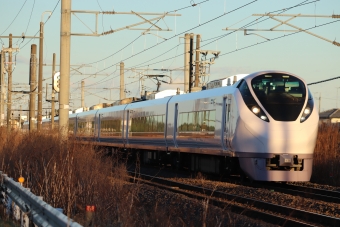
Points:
[[335, 16], [108, 32], [336, 43], [108, 12]]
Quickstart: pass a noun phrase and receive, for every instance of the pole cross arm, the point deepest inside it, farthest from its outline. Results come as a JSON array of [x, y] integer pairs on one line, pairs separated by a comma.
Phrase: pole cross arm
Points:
[[281, 22], [94, 32]]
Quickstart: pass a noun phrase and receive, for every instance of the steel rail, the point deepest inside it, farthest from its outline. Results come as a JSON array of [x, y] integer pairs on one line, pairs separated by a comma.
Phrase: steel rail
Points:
[[280, 215], [302, 191]]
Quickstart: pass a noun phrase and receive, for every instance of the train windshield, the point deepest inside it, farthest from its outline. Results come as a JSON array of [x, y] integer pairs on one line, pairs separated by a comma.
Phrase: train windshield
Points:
[[281, 95]]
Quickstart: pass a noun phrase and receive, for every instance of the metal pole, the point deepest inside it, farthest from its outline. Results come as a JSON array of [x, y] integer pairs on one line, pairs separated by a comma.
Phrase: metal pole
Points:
[[190, 62], [122, 88], [2, 56], [20, 117], [197, 62], [33, 85], [320, 103], [41, 50], [82, 95], [186, 62], [65, 45], [53, 94], [9, 90]]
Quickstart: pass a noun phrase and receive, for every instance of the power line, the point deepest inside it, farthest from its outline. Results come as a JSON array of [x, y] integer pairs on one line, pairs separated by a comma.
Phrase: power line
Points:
[[28, 41], [323, 81], [13, 20], [249, 24], [146, 29], [215, 18]]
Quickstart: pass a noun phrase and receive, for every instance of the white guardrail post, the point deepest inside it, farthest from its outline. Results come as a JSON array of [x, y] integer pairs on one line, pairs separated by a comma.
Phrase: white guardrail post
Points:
[[38, 211]]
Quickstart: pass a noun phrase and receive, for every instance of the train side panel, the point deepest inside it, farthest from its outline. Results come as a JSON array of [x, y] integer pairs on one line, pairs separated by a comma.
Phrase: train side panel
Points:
[[87, 125], [111, 125], [145, 124], [195, 122]]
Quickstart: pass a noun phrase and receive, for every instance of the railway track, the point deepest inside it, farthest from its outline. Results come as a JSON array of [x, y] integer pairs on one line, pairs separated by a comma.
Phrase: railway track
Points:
[[256, 209], [301, 191]]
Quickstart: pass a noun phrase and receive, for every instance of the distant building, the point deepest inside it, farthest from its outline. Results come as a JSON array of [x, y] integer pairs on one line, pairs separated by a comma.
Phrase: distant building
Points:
[[330, 116]]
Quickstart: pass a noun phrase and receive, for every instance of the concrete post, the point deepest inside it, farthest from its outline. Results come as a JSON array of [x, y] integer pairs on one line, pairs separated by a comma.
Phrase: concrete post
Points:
[[190, 61], [122, 88], [82, 95], [32, 82], [53, 94], [197, 62], [65, 45], [2, 57], [40, 86], [9, 90], [186, 62]]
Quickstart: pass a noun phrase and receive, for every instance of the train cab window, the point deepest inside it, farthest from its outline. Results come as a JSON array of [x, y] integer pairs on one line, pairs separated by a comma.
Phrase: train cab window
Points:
[[246, 95], [282, 96]]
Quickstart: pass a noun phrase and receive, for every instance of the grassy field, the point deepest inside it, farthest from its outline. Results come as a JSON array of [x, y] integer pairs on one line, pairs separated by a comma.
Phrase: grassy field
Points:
[[71, 176], [326, 164]]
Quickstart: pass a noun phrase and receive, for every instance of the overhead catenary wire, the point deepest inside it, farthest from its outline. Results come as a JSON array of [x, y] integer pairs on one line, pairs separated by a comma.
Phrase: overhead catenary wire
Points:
[[228, 52], [215, 18], [249, 24], [283, 36], [13, 20], [143, 34]]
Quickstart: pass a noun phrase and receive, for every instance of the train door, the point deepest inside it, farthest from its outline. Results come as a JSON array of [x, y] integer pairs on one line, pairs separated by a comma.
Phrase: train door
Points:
[[226, 123], [175, 125], [127, 121], [99, 126]]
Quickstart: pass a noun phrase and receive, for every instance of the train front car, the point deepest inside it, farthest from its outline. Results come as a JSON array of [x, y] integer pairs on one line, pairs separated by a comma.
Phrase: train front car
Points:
[[277, 127]]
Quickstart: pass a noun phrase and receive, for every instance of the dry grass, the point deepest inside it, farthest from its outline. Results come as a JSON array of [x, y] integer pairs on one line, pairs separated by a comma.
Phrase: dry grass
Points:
[[71, 176], [326, 166], [67, 175]]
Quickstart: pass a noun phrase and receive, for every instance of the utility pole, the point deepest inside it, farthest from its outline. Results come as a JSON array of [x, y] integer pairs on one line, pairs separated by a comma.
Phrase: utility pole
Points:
[[186, 61], [82, 95], [65, 44], [65, 38], [197, 62], [122, 88], [33, 85], [2, 56], [53, 94], [41, 56], [190, 61], [9, 92], [319, 102]]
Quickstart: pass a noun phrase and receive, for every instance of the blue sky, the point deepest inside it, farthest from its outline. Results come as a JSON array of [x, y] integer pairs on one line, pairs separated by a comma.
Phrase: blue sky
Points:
[[302, 54]]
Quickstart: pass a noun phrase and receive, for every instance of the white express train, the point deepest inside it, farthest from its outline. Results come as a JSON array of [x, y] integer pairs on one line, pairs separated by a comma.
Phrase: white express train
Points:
[[264, 126]]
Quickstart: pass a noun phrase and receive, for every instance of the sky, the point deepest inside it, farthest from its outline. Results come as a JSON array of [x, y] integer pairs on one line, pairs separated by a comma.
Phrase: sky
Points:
[[97, 58]]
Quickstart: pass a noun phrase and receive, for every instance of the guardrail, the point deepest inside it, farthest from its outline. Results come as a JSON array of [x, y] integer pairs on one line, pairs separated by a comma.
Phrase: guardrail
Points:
[[38, 211]]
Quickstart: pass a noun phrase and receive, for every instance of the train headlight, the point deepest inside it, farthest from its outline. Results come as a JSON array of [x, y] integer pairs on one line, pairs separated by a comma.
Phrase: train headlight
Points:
[[263, 117], [259, 113], [255, 109], [308, 109], [250, 101]]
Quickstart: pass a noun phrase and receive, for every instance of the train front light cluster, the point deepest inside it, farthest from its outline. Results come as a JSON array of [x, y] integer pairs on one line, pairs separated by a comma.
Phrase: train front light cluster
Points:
[[259, 112], [306, 113], [308, 109]]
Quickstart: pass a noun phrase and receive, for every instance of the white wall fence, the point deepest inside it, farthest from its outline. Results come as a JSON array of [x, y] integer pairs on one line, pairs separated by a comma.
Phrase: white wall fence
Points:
[[27, 207]]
